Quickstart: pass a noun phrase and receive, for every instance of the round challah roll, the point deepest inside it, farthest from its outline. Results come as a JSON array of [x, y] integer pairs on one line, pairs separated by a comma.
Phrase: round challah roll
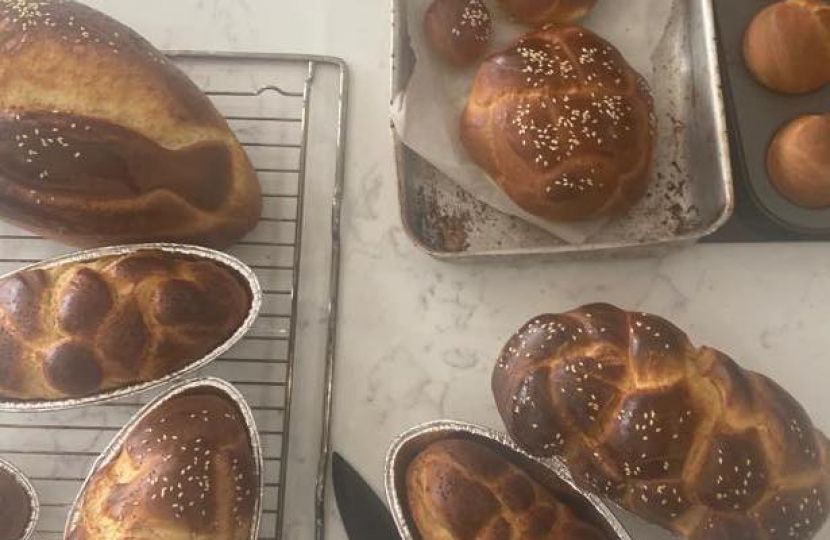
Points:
[[798, 161], [563, 124], [680, 435], [540, 12]]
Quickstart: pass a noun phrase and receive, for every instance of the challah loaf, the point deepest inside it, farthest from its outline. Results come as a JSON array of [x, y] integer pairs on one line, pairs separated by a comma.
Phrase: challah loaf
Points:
[[103, 141], [80, 329], [459, 30], [798, 161], [787, 46], [679, 435], [187, 470], [540, 12], [462, 490], [563, 124], [16, 507]]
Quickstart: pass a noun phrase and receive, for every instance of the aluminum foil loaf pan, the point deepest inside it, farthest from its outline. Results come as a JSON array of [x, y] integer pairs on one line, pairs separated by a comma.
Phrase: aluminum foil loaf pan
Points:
[[550, 473], [112, 451], [246, 275], [14, 472]]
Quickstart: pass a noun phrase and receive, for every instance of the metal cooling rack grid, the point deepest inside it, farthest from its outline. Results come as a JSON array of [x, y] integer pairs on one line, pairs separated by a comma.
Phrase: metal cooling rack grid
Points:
[[267, 100]]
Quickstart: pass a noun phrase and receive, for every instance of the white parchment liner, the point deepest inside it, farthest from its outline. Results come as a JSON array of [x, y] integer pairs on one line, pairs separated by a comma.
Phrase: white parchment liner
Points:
[[27, 486], [408, 445], [232, 263], [114, 448]]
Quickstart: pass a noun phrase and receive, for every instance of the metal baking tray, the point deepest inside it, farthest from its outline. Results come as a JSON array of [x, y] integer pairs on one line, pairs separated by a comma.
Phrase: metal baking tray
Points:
[[231, 263], [550, 472], [27, 486], [450, 224], [115, 446], [758, 113]]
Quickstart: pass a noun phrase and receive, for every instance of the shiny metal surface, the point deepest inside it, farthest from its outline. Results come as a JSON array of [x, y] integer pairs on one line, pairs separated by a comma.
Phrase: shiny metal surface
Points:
[[7, 467], [550, 472], [364, 514], [114, 448], [451, 225]]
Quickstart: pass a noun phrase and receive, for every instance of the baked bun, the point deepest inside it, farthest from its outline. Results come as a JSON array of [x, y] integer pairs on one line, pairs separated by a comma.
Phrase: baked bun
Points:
[[798, 161], [84, 328], [563, 124], [462, 490], [540, 12], [16, 507], [103, 141], [787, 46], [187, 470], [680, 435], [459, 30]]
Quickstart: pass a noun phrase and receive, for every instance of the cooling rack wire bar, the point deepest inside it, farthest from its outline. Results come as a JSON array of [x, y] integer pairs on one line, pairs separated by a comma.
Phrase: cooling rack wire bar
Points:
[[267, 100]]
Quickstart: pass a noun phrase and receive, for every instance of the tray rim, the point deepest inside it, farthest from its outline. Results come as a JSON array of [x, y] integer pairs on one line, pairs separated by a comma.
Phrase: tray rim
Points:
[[398, 43]]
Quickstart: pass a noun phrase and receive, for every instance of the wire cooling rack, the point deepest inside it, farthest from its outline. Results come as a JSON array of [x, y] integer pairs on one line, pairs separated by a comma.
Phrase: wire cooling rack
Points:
[[290, 113]]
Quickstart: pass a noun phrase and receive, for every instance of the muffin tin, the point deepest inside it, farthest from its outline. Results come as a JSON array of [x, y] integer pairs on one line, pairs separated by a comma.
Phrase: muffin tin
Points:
[[757, 115], [551, 473]]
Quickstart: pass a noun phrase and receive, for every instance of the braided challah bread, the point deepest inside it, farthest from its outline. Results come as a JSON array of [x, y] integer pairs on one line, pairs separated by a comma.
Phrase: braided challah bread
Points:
[[563, 124], [80, 329], [540, 12], [103, 141], [186, 471], [462, 490], [679, 435]]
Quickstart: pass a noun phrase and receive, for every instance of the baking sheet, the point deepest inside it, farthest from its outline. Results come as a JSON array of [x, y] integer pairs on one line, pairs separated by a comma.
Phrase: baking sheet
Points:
[[426, 114]]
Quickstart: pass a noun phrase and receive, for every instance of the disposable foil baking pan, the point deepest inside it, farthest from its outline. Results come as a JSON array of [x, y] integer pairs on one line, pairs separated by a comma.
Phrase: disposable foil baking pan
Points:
[[549, 472], [449, 224], [27, 486], [247, 275], [114, 448]]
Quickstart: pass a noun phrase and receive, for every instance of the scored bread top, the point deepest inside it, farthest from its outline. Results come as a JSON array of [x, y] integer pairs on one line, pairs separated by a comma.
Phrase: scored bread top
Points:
[[680, 435], [80, 329], [186, 470], [104, 141]]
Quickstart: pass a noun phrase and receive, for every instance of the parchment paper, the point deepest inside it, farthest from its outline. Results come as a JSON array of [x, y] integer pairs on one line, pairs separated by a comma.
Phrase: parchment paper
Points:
[[426, 115]]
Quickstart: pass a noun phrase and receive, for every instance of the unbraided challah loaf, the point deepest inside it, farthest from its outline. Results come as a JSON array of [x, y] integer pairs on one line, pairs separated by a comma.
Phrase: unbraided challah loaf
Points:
[[563, 124], [680, 435], [540, 12], [104, 141], [461, 490], [79, 329]]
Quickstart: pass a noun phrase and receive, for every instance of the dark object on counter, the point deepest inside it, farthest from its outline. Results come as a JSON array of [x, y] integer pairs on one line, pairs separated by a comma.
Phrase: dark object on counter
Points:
[[563, 124], [460, 31], [16, 507], [364, 515], [680, 435], [84, 328], [188, 466], [540, 12], [755, 115], [103, 141], [459, 489], [787, 46], [799, 161]]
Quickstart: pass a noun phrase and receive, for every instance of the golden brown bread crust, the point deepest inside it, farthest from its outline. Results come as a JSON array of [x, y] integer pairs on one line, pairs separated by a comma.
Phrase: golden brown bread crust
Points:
[[80, 329], [103, 141], [680, 435], [798, 161], [187, 470], [15, 507], [459, 30], [563, 124], [787, 46], [461, 490], [541, 12]]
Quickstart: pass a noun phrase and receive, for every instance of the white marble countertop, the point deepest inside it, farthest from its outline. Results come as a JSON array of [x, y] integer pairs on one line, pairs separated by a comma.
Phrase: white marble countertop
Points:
[[419, 337]]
